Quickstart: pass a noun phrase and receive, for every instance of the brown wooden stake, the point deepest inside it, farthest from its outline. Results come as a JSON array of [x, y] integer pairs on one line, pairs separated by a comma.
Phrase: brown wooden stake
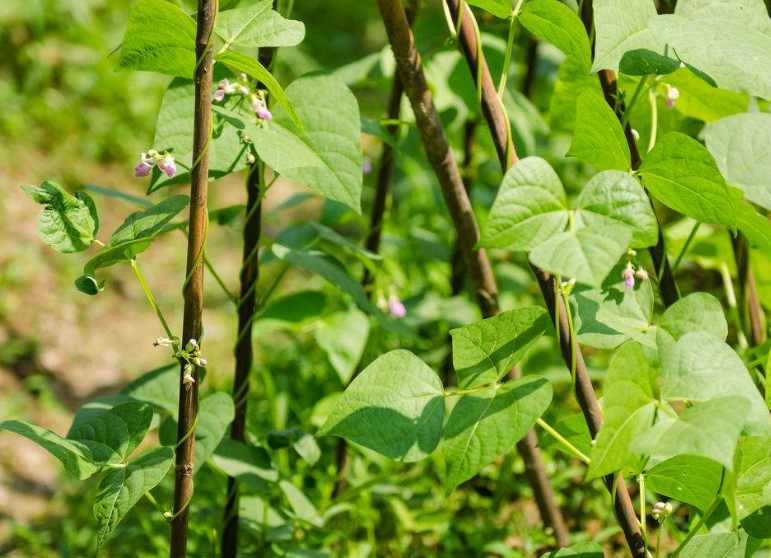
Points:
[[441, 158], [750, 309], [587, 399], [193, 292]]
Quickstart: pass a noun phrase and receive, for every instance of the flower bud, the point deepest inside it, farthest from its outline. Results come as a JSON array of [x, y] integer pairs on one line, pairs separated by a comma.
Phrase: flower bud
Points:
[[628, 275], [672, 95], [202, 362], [163, 342], [263, 113], [396, 307], [250, 158], [366, 166], [641, 274], [382, 303], [635, 134], [191, 345]]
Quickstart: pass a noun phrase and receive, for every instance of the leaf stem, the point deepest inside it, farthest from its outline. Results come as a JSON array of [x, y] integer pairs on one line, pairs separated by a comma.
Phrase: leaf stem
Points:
[[562, 440], [643, 526], [151, 298], [687, 245], [654, 119], [635, 96], [698, 526], [509, 49]]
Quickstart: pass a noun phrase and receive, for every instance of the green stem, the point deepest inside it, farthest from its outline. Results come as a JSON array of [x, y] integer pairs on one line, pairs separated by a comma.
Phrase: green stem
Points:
[[99, 242], [699, 525], [654, 119], [561, 439], [151, 298], [733, 307], [457, 392], [509, 49], [219, 280], [635, 96], [643, 526], [687, 245], [658, 537]]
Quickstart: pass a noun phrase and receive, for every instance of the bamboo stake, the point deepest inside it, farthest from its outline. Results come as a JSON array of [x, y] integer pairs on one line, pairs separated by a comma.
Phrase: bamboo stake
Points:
[[193, 289]]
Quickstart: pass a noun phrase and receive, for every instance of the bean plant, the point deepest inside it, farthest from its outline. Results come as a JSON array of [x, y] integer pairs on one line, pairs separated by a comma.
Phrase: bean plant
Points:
[[577, 303]]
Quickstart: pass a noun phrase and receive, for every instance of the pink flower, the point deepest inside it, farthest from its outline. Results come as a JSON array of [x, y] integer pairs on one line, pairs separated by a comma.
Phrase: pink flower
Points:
[[167, 165], [145, 166], [219, 95], [672, 95], [396, 307], [263, 113], [366, 166], [628, 275]]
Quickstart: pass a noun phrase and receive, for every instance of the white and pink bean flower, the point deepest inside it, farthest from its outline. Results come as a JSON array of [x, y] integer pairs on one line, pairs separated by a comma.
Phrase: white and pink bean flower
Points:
[[672, 95], [628, 275], [396, 307], [148, 160]]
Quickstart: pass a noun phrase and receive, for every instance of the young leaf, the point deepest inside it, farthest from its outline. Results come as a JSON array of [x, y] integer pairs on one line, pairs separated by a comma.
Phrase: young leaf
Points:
[[67, 223], [113, 255], [258, 26], [682, 175], [608, 316], [330, 113], [248, 65], [723, 50], [486, 424], [395, 406], [580, 550], [624, 41], [686, 478], [149, 222], [499, 8], [559, 25], [615, 197], [75, 457], [530, 207], [123, 487], [629, 407], [484, 352], [343, 336], [113, 435], [599, 139], [587, 254], [741, 145], [160, 37]]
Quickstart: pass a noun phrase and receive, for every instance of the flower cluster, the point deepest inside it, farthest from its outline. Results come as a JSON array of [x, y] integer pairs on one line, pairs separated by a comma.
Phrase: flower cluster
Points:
[[630, 273], [392, 306], [256, 98], [191, 354], [148, 160], [661, 511]]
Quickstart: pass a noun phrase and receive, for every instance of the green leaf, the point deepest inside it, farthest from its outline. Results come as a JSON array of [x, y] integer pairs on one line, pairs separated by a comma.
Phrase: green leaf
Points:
[[572, 81], [587, 254], [682, 174], [486, 424], [724, 50], [698, 99], [686, 478], [499, 8], [614, 197], [580, 550], [741, 145], [283, 152], [330, 114], [753, 485], [292, 311], [174, 133], [575, 431], [722, 545], [608, 316], [484, 352], [215, 414], [752, 13], [343, 336], [158, 387], [629, 408], [692, 313], [708, 429], [559, 25], [149, 222], [395, 406], [530, 207], [114, 435], [756, 227], [67, 223], [75, 457], [302, 507], [245, 63], [160, 37], [625, 43], [123, 487], [258, 26], [112, 255], [303, 443], [599, 139], [249, 464]]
